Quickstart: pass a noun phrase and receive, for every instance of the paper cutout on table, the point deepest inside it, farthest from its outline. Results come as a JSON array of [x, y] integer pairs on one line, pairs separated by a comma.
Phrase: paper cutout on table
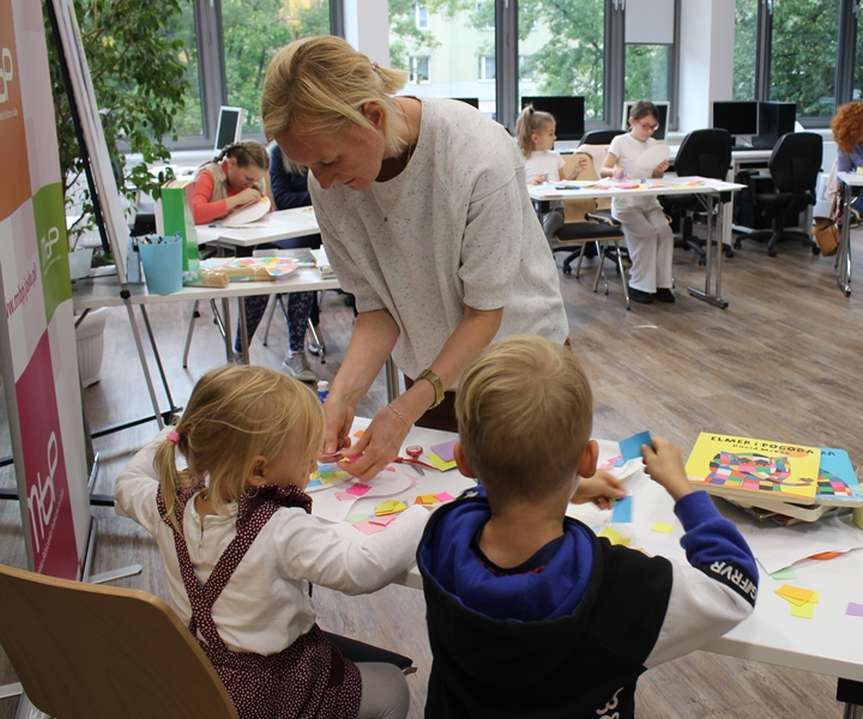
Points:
[[384, 521], [437, 462], [662, 527], [745, 467], [326, 476], [854, 609], [804, 611], [426, 499], [797, 595], [614, 536], [358, 489], [444, 450], [787, 573], [390, 506], [345, 496], [444, 497], [336, 506], [247, 214], [366, 526], [825, 555], [622, 512], [250, 269], [613, 462], [630, 448]]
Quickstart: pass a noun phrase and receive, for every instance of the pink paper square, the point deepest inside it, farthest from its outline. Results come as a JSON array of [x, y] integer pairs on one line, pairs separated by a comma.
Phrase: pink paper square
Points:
[[444, 497], [384, 521], [367, 527], [344, 496], [358, 490]]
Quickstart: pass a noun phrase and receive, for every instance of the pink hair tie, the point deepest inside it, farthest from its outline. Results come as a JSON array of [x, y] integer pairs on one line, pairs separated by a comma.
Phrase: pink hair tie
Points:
[[375, 66], [173, 437]]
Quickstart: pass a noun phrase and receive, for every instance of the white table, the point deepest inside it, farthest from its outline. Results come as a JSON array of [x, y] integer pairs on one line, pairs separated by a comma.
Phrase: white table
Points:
[[848, 181], [830, 643], [280, 225], [710, 193]]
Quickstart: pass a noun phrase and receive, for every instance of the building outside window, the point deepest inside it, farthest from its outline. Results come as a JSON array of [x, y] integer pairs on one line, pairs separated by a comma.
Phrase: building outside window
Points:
[[419, 69]]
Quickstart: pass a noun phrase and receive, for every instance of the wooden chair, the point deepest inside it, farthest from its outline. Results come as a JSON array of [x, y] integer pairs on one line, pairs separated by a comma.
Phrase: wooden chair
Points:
[[82, 650]]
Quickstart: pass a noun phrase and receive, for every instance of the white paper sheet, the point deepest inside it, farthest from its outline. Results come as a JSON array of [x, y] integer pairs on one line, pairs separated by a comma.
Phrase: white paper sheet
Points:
[[248, 214], [648, 160], [392, 480]]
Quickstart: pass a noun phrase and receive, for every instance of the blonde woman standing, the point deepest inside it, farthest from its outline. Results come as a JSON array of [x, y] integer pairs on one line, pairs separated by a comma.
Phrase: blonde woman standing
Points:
[[425, 216]]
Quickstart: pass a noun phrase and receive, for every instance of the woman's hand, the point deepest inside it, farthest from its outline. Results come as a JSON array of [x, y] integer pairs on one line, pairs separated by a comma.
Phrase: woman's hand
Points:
[[660, 169], [379, 445], [338, 417], [601, 489]]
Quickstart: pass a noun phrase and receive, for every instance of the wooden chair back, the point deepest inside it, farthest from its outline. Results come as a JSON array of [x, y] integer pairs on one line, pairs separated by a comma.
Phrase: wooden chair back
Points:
[[83, 650]]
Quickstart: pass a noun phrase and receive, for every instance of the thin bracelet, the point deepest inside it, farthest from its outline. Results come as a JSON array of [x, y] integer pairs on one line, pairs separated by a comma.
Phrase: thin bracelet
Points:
[[398, 414]]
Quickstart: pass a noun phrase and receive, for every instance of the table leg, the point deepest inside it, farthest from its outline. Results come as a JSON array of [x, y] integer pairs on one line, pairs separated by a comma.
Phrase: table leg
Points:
[[843, 260], [228, 330], [244, 329], [712, 255], [850, 692]]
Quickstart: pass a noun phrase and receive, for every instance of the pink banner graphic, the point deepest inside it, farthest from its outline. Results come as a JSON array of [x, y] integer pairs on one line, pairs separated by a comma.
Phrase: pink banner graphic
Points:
[[50, 513]]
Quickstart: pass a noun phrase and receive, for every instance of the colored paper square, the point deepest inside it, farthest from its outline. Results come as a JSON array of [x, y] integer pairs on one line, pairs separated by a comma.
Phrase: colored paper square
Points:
[[444, 497], [384, 521], [358, 490], [854, 609], [367, 527], [622, 512], [345, 496], [662, 527], [444, 450], [787, 591], [390, 506], [614, 537], [630, 448], [426, 499], [787, 573], [804, 611]]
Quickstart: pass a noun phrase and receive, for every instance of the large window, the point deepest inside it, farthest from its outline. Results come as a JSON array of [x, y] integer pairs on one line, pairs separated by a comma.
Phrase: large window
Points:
[[191, 122], [566, 45], [857, 85], [253, 31], [745, 48], [803, 52], [648, 70], [446, 47]]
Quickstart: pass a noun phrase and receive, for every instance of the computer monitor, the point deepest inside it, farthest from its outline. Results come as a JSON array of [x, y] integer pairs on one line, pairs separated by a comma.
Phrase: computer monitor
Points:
[[230, 127], [739, 118], [662, 108], [469, 100], [775, 119], [568, 113]]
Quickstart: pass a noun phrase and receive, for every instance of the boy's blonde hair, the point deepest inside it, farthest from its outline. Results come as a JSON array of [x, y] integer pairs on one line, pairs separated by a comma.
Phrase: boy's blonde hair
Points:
[[528, 122], [319, 84], [235, 414], [525, 413]]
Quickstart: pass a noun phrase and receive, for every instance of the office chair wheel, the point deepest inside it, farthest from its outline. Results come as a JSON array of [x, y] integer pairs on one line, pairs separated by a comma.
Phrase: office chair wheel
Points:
[[729, 253], [771, 252], [738, 243], [567, 269], [702, 261]]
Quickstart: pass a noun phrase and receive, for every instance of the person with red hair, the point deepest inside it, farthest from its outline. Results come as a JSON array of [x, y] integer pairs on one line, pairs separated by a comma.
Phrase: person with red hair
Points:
[[847, 126]]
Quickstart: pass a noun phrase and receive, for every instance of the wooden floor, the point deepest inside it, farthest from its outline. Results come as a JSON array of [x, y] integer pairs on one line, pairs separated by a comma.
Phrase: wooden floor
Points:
[[783, 361]]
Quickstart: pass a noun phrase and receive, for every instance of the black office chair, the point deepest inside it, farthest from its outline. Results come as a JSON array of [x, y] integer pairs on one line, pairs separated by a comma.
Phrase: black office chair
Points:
[[794, 166], [600, 137], [706, 153]]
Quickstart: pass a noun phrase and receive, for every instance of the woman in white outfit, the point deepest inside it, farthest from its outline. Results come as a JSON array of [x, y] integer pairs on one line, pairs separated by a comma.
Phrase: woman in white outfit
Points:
[[645, 229]]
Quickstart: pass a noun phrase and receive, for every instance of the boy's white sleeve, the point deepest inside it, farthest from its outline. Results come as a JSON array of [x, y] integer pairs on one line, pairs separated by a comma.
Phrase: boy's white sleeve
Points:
[[136, 486], [340, 557]]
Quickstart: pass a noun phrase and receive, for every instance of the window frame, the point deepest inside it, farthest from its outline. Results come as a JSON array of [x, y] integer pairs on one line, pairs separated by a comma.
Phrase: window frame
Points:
[[420, 10], [413, 74]]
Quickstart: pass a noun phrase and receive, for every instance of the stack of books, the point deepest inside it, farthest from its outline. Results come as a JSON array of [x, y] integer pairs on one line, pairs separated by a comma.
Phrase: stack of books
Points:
[[774, 480]]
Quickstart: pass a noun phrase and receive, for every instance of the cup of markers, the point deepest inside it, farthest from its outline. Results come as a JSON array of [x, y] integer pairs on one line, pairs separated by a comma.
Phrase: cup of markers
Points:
[[162, 258]]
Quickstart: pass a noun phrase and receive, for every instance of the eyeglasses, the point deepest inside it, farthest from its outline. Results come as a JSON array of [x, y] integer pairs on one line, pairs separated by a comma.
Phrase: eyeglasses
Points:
[[649, 127]]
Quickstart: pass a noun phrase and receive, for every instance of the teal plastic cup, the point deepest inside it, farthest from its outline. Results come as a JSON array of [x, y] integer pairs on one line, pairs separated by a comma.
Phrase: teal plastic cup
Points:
[[162, 258]]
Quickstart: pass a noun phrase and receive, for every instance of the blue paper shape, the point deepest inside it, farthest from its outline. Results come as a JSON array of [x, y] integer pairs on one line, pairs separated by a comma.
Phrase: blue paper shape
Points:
[[622, 512], [630, 448]]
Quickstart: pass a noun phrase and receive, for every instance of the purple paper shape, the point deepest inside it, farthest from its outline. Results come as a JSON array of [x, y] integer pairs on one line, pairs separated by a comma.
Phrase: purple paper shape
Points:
[[444, 450], [854, 609]]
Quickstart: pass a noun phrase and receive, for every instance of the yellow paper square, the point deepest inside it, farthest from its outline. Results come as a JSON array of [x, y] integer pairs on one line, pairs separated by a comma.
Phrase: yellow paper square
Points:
[[804, 611], [795, 594], [390, 506], [662, 527], [614, 536]]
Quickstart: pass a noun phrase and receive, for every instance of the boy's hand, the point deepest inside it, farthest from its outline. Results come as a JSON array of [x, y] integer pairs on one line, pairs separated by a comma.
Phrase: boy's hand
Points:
[[601, 489], [664, 464]]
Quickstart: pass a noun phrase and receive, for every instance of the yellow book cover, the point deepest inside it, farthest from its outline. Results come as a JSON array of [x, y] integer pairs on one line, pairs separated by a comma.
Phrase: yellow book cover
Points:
[[742, 466]]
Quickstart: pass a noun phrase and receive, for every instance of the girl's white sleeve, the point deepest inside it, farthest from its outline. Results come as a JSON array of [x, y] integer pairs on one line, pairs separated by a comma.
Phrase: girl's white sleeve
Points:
[[136, 486], [340, 557]]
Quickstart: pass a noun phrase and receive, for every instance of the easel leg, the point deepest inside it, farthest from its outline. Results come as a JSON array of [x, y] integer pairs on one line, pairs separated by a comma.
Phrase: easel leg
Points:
[[171, 407], [195, 315], [144, 368], [227, 330]]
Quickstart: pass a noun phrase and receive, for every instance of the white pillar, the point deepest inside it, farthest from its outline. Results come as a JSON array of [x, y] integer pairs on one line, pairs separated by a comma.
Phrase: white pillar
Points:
[[706, 59], [367, 28]]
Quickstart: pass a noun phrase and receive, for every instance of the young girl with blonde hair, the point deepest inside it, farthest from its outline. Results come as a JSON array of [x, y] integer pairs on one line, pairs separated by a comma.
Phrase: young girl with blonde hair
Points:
[[426, 220], [241, 548]]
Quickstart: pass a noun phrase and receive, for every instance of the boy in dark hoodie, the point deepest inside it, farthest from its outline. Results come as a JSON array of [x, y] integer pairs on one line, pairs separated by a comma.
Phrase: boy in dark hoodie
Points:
[[529, 613]]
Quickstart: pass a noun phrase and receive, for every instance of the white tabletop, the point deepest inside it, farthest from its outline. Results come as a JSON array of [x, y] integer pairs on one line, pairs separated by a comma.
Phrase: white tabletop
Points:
[[850, 178], [578, 190], [105, 291], [829, 643], [280, 225]]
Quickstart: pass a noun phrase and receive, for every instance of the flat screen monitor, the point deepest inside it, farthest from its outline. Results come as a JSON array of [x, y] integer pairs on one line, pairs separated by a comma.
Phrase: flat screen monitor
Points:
[[776, 118], [230, 128], [568, 113], [739, 118], [661, 107], [469, 100]]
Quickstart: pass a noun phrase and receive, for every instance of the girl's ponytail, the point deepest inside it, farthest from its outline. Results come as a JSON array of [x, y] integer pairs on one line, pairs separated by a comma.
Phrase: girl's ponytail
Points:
[[165, 464]]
